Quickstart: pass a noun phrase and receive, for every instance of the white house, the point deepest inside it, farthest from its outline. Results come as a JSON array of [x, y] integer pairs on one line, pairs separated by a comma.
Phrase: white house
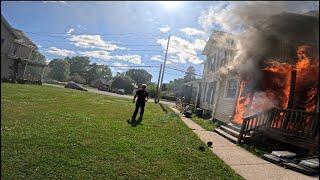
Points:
[[17, 52], [219, 91]]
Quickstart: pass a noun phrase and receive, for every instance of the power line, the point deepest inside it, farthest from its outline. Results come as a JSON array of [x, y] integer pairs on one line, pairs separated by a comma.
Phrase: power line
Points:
[[134, 66], [66, 35], [184, 51], [176, 67], [120, 44], [106, 34], [183, 71]]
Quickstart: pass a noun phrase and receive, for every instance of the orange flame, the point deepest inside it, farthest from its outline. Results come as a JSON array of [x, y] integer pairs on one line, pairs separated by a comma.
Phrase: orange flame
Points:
[[307, 79], [275, 87], [241, 105]]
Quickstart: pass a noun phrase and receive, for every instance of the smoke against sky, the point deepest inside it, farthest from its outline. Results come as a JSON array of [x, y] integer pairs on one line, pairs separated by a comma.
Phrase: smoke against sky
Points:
[[243, 20], [91, 28]]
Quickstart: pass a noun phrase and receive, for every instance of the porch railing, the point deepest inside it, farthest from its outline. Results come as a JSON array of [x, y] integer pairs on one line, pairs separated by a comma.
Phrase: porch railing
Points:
[[294, 122], [254, 122]]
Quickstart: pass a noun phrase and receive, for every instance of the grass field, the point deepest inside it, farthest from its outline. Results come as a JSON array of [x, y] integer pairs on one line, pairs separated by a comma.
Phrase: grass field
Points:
[[206, 124], [49, 132]]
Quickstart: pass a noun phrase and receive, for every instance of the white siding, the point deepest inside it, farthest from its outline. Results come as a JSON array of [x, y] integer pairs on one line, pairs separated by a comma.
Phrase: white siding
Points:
[[225, 107], [9, 38]]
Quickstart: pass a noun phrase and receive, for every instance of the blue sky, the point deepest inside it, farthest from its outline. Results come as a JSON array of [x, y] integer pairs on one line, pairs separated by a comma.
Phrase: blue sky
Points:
[[116, 33], [136, 33]]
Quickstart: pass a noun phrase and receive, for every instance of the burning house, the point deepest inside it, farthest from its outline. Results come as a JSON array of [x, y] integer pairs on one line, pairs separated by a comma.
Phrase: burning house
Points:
[[276, 84], [218, 92]]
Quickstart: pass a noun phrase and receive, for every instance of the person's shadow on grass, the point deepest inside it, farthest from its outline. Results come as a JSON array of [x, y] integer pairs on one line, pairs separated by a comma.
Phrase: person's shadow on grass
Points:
[[134, 123]]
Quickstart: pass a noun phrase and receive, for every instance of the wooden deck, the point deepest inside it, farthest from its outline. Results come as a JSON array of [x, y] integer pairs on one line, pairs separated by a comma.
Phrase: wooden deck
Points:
[[294, 127]]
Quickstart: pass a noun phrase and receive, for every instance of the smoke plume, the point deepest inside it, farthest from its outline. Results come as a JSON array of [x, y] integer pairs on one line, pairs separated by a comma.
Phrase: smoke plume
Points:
[[245, 20]]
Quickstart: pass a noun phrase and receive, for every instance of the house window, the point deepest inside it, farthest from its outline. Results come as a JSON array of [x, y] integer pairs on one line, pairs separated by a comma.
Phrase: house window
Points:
[[15, 49], [209, 90], [231, 88], [212, 64], [209, 63], [204, 92], [2, 42], [214, 85]]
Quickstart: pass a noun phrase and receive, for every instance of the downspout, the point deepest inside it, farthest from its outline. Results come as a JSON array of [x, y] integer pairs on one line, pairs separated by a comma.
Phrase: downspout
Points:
[[196, 103]]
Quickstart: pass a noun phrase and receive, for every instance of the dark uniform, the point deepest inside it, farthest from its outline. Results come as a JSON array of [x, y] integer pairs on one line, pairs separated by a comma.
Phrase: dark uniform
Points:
[[141, 101]]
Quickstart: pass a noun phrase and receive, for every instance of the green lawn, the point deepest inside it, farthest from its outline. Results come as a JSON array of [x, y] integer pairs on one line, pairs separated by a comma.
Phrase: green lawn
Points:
[[254, 148], [206, 124], [48, 132]]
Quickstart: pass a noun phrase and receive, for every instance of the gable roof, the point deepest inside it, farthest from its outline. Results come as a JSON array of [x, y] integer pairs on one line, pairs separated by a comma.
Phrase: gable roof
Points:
[[18, 34], [5, 22], [23, 38]]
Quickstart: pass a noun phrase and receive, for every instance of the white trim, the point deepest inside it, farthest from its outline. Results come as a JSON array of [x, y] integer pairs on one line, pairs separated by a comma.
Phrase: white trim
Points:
[[216, 99]]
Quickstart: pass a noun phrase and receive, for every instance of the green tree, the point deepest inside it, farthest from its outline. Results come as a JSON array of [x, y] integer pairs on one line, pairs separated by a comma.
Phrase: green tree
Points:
[[164, 87], [77, 78], [97, 71], [175, 86], [60, 69], [190, 74], [123, 82], [78, 64], [152, 89], [140, 76]]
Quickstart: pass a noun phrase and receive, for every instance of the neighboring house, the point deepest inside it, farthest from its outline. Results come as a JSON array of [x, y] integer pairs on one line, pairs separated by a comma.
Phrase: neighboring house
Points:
[[17, 52], [191, 92], [102, 84], [218, 91]]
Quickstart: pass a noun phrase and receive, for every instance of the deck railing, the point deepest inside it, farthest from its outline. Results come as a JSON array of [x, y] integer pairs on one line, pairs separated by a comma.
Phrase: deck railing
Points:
[[293, 122], [254, 122]]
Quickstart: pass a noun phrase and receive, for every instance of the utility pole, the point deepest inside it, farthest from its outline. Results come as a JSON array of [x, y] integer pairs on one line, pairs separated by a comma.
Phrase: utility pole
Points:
[[156, 100], [164, 64]]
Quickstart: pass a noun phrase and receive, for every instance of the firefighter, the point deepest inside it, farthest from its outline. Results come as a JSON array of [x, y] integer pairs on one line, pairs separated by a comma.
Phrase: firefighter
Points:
[[143, 97]]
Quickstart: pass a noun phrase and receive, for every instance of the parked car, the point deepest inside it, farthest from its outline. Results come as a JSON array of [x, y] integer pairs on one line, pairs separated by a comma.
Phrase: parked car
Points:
[[73, 85], [103, 88], [120, 91]]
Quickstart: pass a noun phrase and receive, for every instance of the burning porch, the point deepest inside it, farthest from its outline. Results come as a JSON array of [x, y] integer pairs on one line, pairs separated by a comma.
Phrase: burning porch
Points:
[[279, 97]]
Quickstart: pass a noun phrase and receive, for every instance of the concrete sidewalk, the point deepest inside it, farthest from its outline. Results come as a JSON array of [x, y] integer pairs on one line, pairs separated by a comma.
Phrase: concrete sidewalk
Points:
[[243, 162]]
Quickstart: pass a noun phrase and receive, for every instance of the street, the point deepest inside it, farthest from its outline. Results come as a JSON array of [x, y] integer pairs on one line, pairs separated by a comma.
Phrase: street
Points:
[[94, 90]]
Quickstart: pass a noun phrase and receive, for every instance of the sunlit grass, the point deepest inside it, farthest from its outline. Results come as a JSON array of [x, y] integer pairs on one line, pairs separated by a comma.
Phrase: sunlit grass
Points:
[[49, 132]]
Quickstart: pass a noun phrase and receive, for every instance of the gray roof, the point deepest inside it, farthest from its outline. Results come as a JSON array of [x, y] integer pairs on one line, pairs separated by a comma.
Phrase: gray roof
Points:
[[23, 38], [103, 81], [5, 22], [312, 13], [20, 36]]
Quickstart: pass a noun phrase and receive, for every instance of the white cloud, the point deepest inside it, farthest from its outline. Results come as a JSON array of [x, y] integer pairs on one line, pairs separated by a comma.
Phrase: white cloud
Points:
[[230, 16], [135, 59], [199, 44], [60, 52], [182, 51], [70, 31], [120, 64], [192, 31], [93, 41], [104, 55], [165, 29], [157, 58]]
